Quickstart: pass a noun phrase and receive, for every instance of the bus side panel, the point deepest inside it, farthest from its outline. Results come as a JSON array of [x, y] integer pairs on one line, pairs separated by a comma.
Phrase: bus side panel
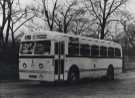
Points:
[[83, 64], [88, 67], [101, 65], [93, 67]]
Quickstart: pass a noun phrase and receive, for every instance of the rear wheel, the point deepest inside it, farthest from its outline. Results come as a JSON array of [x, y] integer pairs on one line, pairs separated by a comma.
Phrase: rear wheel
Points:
[[73, 75], [110, 73]]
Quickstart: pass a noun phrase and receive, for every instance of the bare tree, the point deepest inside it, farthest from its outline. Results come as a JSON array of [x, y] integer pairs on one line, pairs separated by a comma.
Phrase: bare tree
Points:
[[20, 16], [128, 22], [131, 34], [10, 17], [58, 16], [104, 10], [49, 14], [80, 26], [6, 10], [67, 13]]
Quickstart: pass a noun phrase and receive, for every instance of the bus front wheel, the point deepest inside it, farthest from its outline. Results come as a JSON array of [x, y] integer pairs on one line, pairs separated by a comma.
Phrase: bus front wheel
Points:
[[73, 75], [110, 73]]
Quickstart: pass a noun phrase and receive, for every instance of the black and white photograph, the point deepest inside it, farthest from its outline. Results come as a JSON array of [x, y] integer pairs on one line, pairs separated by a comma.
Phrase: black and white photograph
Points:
[[67, 48]]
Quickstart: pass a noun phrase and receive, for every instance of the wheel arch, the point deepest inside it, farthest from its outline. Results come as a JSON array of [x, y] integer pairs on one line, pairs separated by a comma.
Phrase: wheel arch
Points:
[[110, 72], [111, 66], [74, 67]]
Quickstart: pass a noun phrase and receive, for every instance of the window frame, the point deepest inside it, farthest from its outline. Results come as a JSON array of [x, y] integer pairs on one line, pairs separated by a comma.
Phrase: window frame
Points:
[[73, 51], [103, 51], [31, 50], [85, 51], [117, 50], [96, 51], [110, 52]]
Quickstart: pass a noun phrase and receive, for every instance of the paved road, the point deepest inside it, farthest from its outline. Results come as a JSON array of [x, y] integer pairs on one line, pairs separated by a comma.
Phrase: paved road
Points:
[[122, 87]]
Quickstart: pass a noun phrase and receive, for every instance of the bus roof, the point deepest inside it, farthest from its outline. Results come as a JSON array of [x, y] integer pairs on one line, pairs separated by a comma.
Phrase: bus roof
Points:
[[40, 35]]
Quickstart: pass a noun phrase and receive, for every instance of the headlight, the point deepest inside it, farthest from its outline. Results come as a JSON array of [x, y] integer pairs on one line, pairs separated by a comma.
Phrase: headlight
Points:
[[24, 65], [41, 66]]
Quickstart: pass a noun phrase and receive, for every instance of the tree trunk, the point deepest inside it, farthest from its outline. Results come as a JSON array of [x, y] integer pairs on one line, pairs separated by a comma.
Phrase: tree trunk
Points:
[[13, 40], [1, 38], [102, 32]]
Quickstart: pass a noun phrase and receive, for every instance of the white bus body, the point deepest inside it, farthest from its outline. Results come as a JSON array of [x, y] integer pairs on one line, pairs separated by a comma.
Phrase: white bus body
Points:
[[51, 56]]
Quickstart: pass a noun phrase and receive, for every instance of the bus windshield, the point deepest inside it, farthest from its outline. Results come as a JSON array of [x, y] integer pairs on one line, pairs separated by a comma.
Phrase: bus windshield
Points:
[[43, 47], [27, 47]]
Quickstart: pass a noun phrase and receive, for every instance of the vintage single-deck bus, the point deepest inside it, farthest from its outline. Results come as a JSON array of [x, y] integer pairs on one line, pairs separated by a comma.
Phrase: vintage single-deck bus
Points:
[[52, 56]]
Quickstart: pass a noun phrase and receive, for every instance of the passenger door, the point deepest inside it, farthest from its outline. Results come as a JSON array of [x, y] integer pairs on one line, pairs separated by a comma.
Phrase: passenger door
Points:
[[59, 48]]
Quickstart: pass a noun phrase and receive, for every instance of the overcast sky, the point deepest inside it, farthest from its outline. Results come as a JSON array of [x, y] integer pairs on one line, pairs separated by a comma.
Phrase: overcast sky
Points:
[[130, 4]]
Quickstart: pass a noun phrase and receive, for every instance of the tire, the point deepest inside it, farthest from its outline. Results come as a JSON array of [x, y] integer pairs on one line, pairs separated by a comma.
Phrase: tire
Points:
[[110, 73], [73, 76]]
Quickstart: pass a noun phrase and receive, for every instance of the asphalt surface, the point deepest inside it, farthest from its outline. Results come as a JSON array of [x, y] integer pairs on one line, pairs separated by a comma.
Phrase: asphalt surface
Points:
[[122, 87]]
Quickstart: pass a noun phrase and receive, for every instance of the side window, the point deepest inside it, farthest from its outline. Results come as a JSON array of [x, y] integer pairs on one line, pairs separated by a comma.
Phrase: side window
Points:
[[103, 51], [84, 50], [111, 52], [73, 49], [117, 52], [94, 51]]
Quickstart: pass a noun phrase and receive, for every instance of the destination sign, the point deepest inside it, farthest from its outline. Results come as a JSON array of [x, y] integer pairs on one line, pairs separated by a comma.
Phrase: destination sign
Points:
[[41, 36]]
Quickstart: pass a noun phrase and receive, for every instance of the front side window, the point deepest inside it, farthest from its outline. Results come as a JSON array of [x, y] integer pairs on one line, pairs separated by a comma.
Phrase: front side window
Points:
[[27, 48], [43, 47]]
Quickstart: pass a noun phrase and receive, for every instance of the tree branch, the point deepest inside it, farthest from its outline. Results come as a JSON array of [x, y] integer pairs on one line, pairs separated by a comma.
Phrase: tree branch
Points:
[[110, 8], [46, 12], [113, 10], [53, 14], [92, 5], [23, 23]]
